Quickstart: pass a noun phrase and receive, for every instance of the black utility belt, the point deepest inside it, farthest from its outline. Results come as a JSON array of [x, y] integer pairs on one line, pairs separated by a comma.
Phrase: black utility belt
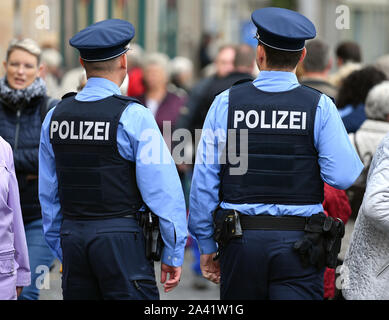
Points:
[[99, 217], [267, 222], [319, 246]]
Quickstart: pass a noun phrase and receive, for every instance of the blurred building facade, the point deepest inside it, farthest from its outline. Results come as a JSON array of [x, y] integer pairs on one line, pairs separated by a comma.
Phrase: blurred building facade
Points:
[[367, 24], [175, 27]]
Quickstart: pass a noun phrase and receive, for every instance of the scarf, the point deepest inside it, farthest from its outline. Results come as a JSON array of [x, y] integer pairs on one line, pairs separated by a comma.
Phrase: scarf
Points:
[[21, 98]]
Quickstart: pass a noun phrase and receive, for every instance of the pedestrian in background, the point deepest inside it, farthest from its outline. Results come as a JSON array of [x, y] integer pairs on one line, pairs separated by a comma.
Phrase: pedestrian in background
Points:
[[135, 57], [365, 271], [52, 72], [182, 73], [163, 104], [367, 138], [14, 265], [348, 59], [201, 96], [23, 105], [316, 67], [352, 96]]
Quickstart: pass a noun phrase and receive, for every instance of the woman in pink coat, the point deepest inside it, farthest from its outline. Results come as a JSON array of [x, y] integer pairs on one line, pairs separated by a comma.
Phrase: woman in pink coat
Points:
[[14, 263]]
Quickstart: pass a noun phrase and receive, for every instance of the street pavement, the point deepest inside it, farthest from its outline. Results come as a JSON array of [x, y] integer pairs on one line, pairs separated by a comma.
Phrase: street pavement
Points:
[[185, 291]]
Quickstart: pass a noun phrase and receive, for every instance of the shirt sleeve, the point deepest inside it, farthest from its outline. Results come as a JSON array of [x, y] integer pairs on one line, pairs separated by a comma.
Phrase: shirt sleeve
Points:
[[339, 163], [204, 194], [140, 141], [23, 276], [48, 191]]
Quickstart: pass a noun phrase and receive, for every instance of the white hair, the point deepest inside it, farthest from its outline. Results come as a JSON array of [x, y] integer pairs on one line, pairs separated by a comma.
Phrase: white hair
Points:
[[28, 45], [135, 54], [51, 57], [181, 65], [159, 59], [377, 102]]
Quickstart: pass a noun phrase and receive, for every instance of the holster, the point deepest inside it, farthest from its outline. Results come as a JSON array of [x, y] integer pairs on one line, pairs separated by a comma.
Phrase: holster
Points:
[[321, 243], [149, 222], [227, 226]]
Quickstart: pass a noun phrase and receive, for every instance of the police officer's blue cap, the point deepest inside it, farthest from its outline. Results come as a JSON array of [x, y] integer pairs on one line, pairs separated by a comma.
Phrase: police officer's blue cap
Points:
[[283, 29], [104, 40]]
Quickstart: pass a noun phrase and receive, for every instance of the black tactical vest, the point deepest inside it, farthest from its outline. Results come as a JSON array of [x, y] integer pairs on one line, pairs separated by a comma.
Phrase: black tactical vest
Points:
[[282, 159], [94, 180]]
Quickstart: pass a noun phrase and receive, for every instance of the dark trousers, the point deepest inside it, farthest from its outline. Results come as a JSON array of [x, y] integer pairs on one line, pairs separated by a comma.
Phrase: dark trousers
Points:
[[262, 265], [105, 259]]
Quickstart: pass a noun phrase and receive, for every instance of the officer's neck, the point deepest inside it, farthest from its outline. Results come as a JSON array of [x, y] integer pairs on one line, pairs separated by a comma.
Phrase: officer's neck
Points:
[[113, 78], [278, 69]]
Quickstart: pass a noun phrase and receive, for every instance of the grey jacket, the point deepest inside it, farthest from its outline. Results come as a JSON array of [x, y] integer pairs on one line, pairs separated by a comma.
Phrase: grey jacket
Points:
[[365, 271]]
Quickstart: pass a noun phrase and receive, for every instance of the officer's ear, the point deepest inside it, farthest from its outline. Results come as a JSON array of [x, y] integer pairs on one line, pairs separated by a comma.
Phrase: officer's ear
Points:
[[123, 61], [303, 55], [261, 56]]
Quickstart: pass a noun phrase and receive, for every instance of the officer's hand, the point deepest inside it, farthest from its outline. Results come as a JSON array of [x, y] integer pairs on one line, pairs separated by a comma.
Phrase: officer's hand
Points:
[[210, 268], [174, 278]]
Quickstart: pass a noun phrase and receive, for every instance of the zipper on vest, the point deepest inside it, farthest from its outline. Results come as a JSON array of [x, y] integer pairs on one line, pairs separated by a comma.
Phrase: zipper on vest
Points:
[[17, 130]]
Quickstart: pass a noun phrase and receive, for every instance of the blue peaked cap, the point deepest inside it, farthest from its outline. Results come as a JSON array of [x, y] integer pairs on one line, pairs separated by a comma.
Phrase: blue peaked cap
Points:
[[104, 40], [283, 29]]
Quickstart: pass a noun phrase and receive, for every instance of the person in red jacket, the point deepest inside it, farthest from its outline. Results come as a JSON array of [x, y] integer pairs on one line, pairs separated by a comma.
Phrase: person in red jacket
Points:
[[136, 85], [335, 205]]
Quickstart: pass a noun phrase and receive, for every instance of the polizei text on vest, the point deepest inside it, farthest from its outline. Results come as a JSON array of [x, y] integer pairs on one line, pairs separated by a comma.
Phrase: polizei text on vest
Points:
[[80, 130], [272, 119]]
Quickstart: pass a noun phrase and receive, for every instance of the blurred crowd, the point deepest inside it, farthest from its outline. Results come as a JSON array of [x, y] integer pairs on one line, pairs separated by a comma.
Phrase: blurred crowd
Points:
[[181, 91]]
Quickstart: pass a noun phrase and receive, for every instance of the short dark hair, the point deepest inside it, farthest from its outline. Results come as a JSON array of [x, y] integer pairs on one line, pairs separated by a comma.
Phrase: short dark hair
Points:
[[318, 56], [281, 59], [349, 51], [100, 66]]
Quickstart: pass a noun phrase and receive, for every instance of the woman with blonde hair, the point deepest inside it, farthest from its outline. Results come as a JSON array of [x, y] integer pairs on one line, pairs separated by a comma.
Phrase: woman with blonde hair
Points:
[[23, 105]]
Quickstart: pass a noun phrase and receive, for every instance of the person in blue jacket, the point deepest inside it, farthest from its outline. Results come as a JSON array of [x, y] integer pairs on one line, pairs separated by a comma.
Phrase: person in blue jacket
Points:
[[353, 93], [102, 161], [288, 139]]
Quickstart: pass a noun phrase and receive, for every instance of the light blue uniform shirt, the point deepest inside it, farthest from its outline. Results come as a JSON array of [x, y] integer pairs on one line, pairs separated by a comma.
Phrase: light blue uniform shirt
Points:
[[339, 164], [158, 181]]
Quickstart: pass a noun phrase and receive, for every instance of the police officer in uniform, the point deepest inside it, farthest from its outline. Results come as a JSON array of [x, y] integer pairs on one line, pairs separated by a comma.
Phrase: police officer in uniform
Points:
[[296, 140], [96, 177]]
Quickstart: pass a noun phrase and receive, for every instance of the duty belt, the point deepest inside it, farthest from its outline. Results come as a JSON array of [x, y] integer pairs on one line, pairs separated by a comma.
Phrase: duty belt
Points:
[[267, 222]]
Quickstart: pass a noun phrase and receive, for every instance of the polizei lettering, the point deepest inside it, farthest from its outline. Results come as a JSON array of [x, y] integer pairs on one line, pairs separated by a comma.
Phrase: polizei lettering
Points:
[[80, 130], [274, 119]]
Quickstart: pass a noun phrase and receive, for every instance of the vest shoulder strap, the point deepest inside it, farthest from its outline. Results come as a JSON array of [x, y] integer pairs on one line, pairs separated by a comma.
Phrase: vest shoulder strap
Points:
[[318, 91], [68, 95], [242, 81], [235, 84], [129, 99]]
